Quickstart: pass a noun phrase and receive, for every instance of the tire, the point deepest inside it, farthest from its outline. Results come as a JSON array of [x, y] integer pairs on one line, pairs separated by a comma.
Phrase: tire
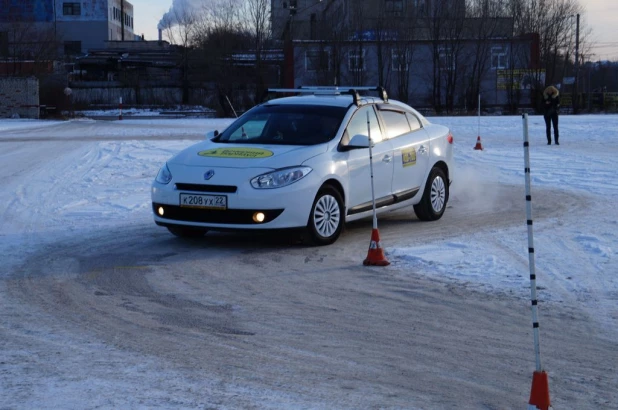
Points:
[[435, 197], [187, 231], [327, 217]]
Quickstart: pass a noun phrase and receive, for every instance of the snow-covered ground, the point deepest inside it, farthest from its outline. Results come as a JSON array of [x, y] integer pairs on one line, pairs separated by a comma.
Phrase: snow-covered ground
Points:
[[103, 170]]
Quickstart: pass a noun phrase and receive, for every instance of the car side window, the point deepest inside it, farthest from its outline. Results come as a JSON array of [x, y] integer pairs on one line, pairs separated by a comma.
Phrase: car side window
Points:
[[396, 123], [415, 123], [358, 124]]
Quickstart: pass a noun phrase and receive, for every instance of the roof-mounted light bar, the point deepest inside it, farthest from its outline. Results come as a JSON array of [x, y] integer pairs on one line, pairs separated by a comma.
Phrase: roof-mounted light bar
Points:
[[334, 90]]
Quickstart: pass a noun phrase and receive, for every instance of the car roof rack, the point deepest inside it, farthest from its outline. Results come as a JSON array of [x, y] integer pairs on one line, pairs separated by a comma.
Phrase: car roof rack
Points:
[[331, 90]]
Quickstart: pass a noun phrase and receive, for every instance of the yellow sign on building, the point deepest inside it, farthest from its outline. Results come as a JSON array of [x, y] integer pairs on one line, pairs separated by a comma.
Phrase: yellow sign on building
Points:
[[519, 79]]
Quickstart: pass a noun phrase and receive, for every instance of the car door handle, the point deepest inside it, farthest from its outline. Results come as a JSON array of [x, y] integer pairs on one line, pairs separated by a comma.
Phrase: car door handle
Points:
[[422, 149], [387, 158]]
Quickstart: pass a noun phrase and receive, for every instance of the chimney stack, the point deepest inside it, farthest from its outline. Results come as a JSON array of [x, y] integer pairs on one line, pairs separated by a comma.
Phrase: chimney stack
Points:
[[160, 35]]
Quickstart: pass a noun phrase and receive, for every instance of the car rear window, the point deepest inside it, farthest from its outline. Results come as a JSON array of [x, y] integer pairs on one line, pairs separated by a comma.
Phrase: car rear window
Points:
[[396, 123], [285, 125]]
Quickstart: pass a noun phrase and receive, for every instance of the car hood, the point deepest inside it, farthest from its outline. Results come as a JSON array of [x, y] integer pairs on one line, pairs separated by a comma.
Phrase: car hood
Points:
[[212, 154]]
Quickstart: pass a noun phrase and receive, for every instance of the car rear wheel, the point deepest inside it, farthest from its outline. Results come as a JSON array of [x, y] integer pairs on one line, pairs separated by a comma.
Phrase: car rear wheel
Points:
[[187, 231], [435, 197], [326, 218]]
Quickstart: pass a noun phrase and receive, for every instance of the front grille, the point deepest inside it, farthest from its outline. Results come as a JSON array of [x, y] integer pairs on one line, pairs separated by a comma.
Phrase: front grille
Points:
[[228, 189], [229, 216]]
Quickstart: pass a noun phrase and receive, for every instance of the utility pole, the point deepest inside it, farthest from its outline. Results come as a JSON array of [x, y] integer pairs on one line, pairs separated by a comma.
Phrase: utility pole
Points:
[[122, 20], [55, 23], [575, 89]]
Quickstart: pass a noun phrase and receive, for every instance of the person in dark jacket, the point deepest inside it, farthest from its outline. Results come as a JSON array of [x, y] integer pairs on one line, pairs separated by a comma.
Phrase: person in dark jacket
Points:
[[551, 98]]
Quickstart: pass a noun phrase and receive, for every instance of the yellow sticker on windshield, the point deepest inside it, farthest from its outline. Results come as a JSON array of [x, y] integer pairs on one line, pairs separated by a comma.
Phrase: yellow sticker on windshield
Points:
[[408, 157], [236, 153]]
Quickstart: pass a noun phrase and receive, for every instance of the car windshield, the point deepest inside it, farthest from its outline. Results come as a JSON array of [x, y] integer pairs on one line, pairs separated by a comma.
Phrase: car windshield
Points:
[[285, 125]]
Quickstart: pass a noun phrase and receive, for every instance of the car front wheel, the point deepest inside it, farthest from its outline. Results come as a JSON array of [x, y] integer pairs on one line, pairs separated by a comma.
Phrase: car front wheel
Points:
[[326, 218], [435, 197], [187, 231]]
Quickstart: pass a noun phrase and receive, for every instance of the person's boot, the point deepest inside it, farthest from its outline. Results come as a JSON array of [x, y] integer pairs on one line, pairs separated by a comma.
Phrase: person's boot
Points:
[[556, 139]]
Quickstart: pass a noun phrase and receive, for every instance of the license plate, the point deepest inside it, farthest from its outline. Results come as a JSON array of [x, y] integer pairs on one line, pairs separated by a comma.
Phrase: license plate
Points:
[[203, 201]]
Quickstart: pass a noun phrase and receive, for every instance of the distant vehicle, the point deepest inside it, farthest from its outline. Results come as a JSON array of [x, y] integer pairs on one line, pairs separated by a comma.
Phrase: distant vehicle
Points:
[[303, 161]]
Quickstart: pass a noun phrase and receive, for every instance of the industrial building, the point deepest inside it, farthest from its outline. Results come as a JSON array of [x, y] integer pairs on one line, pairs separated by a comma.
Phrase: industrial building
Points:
[[31, 29], [426, 51]]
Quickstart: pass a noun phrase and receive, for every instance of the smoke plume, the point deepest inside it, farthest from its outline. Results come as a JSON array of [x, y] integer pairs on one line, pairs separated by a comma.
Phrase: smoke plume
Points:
[[178, 11]]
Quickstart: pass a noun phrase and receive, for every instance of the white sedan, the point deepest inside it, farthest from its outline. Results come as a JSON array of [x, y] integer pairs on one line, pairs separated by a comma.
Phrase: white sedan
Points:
[[305, 161]]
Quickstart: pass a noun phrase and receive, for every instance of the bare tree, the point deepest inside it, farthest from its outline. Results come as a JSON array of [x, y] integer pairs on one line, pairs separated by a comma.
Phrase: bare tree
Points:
[[356, 50], [487, 20], [554, 21], [28, 48], [219, 16], [334, 31], [179, 26], [220, 33], [446, 30], [256, 16], [402, 51]]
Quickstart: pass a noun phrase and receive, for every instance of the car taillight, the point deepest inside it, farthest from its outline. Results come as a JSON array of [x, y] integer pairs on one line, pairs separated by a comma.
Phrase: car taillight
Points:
[[450, 138]]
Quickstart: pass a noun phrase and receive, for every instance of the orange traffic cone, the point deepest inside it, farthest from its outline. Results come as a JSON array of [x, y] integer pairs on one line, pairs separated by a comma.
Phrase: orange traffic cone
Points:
[[375, 255], [539, 396], [478, 143]]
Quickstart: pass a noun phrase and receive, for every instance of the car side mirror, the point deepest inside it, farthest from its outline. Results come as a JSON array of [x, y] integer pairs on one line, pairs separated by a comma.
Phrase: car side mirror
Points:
[[359, 141], [212, 134]]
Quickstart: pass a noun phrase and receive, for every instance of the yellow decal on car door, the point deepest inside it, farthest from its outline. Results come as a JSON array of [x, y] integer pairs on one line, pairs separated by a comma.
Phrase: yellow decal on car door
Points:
[[408, 157]]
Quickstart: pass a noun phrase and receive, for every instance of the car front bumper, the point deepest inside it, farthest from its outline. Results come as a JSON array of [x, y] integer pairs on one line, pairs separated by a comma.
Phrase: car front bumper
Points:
[[286, 207]]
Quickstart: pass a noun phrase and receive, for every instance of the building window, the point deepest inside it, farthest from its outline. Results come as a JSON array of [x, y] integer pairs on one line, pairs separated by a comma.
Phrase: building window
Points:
[[356, 60], [393, 6], [72, 47], [313, 27], [317, 60], [71, 9], [499, 58], [421, 7], [447, 59], [400, 60], [4, 43]]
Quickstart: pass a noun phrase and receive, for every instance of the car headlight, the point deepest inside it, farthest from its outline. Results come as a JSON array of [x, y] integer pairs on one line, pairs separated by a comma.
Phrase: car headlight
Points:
[[280, 178], [164, 176]]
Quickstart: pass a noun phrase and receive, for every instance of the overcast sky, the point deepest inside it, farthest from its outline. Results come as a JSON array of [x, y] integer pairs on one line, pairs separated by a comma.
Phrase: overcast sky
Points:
[[600, 16]]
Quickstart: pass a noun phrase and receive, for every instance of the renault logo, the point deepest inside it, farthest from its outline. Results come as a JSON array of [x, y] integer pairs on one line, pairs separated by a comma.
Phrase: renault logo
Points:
[[209, 174]]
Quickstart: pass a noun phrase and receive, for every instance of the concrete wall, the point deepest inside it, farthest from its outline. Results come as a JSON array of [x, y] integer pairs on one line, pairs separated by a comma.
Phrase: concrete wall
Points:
[[19, 97], [83, 97]]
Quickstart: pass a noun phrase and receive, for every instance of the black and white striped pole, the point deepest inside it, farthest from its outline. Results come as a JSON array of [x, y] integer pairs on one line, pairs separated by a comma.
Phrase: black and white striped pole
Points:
[[539, 396]]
